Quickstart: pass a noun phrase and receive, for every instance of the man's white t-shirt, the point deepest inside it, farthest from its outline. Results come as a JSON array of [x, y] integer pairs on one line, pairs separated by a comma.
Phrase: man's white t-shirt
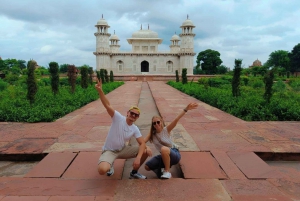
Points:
[[119, 133]]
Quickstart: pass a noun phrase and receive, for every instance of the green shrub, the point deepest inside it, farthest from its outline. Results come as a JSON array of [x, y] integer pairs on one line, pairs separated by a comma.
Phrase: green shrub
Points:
[[257, 84], [31, 81], [47, 107], [3, 85]]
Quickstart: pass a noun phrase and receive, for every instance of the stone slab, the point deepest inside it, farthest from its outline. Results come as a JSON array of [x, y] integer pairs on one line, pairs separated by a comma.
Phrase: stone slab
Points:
[[32, 145], [25, 198], [53, 165], [75, 147], [172, 189], [231, 170], [260, 198], [57, 187], [85, 167], [73, 198], [200, 165], [288, 187], [253, 166], [248, 190], [183, 139]]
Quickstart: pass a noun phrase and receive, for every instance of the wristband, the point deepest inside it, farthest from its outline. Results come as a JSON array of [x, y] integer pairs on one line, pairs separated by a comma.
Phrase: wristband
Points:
[[185, 110]]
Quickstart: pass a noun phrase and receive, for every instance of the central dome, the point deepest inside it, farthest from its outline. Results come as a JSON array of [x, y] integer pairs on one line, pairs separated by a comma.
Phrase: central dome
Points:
[[144, 34]]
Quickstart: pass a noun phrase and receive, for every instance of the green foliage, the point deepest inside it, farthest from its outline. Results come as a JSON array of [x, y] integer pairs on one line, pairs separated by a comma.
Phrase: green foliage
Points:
[[204, 81], [209, 60], [177, 76], [84, 77], [72, 75], [222, 69], [236, 78], [184, 76], [269, 80], [257, 84], [294, 56], [102, 75], [63, 68], [11, 78], [3, 85], [91, 72], [250, 106], [31, 81], [279, 59], [47, 107], [54, 77], [106, 76], [111, 76], [295, 84]]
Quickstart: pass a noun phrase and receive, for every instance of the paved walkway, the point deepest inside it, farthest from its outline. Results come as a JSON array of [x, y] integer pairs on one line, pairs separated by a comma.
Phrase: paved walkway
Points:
[[223, 157]]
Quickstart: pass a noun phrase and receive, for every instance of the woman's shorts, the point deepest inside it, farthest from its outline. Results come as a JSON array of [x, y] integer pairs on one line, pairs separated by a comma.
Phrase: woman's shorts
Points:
[[156, 162]]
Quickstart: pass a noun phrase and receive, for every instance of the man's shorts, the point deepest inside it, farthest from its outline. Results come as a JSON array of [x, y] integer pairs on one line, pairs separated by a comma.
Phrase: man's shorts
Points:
[[127, 152], [156, 163]]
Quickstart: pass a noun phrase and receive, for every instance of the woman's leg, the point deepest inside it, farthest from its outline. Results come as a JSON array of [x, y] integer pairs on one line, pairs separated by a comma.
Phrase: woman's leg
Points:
[[165, 154]]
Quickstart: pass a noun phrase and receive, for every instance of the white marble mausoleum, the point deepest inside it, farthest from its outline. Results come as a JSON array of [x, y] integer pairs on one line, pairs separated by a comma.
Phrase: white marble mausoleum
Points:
[[144, 57]]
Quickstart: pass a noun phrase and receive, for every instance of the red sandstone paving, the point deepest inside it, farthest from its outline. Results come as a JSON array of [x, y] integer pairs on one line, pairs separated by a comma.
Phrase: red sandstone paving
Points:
[[228, 166], [71, 138], [27, 146], [56, 187], [248, 190], [173, 189], [25, 198], [289, 147], [53, 165], [73, 198], [202, 165], [85, 167], [253, 166], [288, 187]]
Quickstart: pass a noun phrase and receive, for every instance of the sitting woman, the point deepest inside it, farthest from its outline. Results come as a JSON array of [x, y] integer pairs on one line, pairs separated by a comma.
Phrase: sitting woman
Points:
[[160, 136]]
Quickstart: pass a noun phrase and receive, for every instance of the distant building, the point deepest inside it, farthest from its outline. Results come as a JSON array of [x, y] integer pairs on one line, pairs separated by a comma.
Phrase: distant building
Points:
[[145, 58], [256, 63]]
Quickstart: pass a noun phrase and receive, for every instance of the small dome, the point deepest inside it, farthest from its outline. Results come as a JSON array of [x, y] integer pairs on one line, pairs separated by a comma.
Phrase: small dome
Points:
[[114, 37], [102, 22], [175, 37], [145, 34], [257, 63], [188, 22]]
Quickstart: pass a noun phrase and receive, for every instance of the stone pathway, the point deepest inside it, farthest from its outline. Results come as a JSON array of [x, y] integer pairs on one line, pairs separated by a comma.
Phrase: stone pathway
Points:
[[223, 157]]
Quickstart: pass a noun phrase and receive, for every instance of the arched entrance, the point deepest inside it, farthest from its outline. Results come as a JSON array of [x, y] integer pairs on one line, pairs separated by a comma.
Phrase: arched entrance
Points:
[[145, 66]]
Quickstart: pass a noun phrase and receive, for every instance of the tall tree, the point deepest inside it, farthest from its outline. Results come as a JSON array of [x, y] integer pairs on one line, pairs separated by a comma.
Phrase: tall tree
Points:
[[236, 78], [63, 68], [295, 59], [84, 82], [279, 59], [31, 81], [54, 76], [209, 60]]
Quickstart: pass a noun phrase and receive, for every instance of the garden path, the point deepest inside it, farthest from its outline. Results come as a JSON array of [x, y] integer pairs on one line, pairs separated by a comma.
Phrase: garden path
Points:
[[223, 157]]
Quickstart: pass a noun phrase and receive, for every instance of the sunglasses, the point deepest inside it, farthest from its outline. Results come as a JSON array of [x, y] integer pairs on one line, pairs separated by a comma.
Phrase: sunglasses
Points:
[[156, 122], [134, 114]]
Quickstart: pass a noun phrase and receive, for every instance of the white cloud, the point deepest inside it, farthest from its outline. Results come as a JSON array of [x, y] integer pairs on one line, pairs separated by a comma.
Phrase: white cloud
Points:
[[63, 31]]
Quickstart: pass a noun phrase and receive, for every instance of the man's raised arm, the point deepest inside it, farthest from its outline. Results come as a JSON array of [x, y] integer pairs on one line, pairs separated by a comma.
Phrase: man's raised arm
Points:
[[103, 98]]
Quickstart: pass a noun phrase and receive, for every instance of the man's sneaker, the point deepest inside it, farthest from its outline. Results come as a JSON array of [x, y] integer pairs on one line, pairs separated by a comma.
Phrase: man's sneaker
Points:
[[137, 176], [166, 175], [162, 170], [111, 171]]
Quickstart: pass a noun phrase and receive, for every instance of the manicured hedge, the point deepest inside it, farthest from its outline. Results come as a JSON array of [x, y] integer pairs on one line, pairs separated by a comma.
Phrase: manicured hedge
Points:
[[250, 106]]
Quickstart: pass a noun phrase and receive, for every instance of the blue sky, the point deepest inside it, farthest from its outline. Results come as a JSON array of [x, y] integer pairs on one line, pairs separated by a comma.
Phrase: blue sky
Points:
[[63, 30]]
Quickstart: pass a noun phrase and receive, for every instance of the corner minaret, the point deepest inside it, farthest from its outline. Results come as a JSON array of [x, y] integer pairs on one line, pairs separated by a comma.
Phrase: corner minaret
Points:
[[114, 43], [175, 47], [102, 45], [187, 46]]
